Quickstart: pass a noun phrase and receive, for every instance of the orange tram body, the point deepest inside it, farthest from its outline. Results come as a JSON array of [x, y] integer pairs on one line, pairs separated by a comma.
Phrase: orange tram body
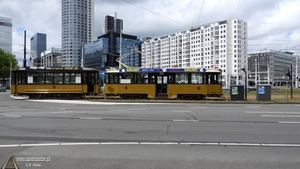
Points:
[[169, 83]]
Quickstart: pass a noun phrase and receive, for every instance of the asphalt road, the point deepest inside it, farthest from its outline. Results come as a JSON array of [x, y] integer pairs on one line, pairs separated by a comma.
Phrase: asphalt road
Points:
[[81, 134]]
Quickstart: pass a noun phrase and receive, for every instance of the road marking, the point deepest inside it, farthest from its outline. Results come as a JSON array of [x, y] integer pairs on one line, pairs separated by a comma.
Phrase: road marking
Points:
[[207, 144], [240, 144], [198, 107], [271, 112], [181, 111], [64, 102], [11, 145], [135, 109], [281, 145], [90, 118], [253, 106], [182, 120], [59, 112], [82, 143], [289, 122], [158, 143], [8, 115], [119, 143], [34, 145], [280, 115], [155, 143]]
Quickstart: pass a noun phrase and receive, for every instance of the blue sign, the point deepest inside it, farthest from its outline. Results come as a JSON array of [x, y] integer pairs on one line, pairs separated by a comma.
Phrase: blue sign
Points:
[[102, 75], [122, 70], [150, 70], [202, 70], [261, 90], [175, 70]]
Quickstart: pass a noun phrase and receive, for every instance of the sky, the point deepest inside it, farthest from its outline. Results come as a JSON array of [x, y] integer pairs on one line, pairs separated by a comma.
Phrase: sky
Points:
[[272, 24]]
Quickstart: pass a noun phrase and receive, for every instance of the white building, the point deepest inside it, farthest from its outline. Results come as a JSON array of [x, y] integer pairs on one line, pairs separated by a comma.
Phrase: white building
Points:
[[221, 44], [6, 34], [51, 58], [77, 29]]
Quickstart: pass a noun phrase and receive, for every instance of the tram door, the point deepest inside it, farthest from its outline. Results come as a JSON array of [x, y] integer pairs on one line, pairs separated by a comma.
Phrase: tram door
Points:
[[90, 81], [161, 83]]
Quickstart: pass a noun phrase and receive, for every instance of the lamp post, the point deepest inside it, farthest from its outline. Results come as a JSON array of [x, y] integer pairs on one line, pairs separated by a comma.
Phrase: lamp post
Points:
[[245, 70]]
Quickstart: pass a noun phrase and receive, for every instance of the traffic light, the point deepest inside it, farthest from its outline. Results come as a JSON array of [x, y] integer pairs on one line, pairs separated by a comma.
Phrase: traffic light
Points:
[[288, 74]]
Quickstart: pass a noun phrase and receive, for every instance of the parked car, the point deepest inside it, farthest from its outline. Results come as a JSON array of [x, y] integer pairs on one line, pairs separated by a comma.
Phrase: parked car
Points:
[[2, 88]]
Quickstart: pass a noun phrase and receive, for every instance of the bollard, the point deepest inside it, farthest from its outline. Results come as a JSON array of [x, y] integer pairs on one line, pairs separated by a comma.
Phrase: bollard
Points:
[[227, 97], [286, 97]]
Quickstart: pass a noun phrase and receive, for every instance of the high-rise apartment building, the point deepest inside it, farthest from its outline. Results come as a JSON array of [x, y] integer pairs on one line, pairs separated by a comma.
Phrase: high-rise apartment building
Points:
[[38, 44], [112, 23], [77, 29], [221, 44], [6, 34]]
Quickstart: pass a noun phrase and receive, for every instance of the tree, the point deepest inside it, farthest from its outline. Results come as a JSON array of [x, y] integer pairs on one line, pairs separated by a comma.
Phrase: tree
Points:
[[5, 60]]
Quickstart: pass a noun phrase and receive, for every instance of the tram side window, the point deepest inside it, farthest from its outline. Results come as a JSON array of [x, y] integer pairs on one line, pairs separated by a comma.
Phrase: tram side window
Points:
[[112, 78], [181, 78], [75, 78], [20, 78], [141, 78], [126, 78], [49, 78], [152, 79], [67, 78], [58, 78], [36, 78], [196, 78], [212, 79]]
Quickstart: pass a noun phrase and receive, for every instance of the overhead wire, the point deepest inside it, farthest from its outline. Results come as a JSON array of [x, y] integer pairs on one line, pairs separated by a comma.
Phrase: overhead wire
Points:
[[156, 13], [200, 11]]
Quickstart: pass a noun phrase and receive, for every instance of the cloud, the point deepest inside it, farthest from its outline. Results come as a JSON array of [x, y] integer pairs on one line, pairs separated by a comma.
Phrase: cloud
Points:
[[272, 24]]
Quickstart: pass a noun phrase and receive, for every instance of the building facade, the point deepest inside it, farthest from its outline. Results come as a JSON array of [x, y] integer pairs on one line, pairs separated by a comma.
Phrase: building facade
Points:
[[104, 52], [77, 29], [269, 67], [51, 58], [221, 44], [112, 23], [6, 34], [38, 44]]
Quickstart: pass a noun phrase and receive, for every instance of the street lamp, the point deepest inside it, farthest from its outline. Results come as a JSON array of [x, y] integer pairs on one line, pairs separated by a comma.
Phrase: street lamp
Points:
[[245, 70]]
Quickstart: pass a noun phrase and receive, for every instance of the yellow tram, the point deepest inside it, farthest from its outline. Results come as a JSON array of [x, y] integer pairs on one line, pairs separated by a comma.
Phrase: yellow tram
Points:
[[55, 81], [171, 83]]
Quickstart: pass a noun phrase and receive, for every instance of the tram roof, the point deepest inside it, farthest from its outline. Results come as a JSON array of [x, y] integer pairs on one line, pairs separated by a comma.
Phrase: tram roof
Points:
[[158, 70], [57, 68]]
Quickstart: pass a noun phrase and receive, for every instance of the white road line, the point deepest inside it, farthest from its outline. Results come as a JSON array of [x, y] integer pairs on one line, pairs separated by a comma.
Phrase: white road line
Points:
[[135, 109], [289, 122], [155, 143], [198, 107], [182, 120], [207, 144], [158, 143], [11, 145], [90, 118], [255, 112], [8, 115], [60, 112], [34, 145], [240, 144], [253, 106], [119, 143], [280, 115], [281, 145], [82, 143], [271, 112], [181, 111]]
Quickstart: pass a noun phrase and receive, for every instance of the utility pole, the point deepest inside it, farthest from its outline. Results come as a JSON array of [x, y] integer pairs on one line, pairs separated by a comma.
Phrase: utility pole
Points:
[[24, 61], [255, 72], [120, 65], [246, 82], [291, 81]]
